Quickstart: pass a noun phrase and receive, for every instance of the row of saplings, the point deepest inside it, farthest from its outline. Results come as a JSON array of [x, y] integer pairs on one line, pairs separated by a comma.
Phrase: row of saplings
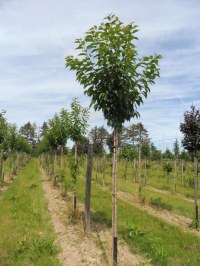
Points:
[[11, 164], [50, 161]]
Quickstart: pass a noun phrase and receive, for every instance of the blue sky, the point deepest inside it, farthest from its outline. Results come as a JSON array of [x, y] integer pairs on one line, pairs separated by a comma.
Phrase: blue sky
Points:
[[37, 35]]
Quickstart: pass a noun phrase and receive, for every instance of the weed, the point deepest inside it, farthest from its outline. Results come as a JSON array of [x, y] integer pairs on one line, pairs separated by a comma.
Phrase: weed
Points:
[[21, 244], [142, 198], [157, 202], [158, 251], [193, 224], [132, 231], [165, 187], [12, 197], [74, 215], [191, 182], [145, 263], [45, 245], [33, 186]]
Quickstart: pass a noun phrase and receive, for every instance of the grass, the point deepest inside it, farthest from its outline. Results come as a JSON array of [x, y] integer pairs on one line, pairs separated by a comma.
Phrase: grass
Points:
[[26, 235], [164, 244], [170, 200]]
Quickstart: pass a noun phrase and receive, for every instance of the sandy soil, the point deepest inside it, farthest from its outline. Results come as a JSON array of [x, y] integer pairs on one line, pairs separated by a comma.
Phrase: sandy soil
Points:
[[77, 249]]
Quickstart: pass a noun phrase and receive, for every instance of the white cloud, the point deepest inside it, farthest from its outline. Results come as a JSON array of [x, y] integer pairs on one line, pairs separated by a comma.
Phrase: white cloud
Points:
[[36, 36]]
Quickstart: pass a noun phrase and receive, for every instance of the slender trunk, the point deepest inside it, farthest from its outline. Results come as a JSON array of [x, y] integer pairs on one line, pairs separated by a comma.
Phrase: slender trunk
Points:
[[145, 173], [96, 159], [182, 176], [52, 165], [139, 168], [48, 164], [2, 171], [175, 173], [134, 170], [88, 189], [61, 168], [75, 162], [10, 165], [1, 168], [196, 191], [114, 198], [54, 169], [125, 168], [104, 167], [16, 164]]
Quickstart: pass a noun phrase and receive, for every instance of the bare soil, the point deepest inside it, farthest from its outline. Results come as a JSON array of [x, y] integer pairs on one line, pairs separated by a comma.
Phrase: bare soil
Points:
[[77, 249]]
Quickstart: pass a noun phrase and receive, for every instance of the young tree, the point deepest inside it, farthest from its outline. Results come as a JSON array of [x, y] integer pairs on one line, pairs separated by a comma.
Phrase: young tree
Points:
[[155, 154], [28, 131], [98, 134], [128, 152], [116, 79], [176, 149], [78, 118], [168, 154], [137, 133], [3, 135], [43, 130], [57, 136], [191, 142]]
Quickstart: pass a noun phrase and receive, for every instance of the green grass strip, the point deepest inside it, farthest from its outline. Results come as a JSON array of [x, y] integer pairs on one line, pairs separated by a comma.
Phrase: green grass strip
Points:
[[26, 235]]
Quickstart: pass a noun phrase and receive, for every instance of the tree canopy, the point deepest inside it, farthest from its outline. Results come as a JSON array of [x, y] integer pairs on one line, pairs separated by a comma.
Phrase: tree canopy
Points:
[[111, 71], [191, 130]]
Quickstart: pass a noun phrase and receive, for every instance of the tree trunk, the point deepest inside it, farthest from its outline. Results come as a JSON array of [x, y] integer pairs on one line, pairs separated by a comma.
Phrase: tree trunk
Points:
[[114, 198], [52, 165], [139, 168], [125, 168], [1, 168], [145, 173], [96, 159], [134, 170], [10, 165], [182, 176], [15, 164], [175, 173], [196, 192], [75, 161], [2, 171], [88, 189], [103, 169], [61, 168], [54, 169]]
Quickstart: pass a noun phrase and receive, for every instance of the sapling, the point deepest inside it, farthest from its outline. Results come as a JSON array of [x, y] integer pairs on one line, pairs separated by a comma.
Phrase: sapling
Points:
[[116, 78], [191, 142], [167, 167]]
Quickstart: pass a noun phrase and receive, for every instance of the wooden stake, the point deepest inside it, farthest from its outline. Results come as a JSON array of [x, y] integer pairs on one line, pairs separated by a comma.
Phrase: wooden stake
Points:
[[88, 189], [114, 199], [196, 192]]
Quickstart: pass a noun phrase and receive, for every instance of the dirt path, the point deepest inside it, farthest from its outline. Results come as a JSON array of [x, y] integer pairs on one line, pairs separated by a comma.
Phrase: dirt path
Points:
[[76, 249]]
